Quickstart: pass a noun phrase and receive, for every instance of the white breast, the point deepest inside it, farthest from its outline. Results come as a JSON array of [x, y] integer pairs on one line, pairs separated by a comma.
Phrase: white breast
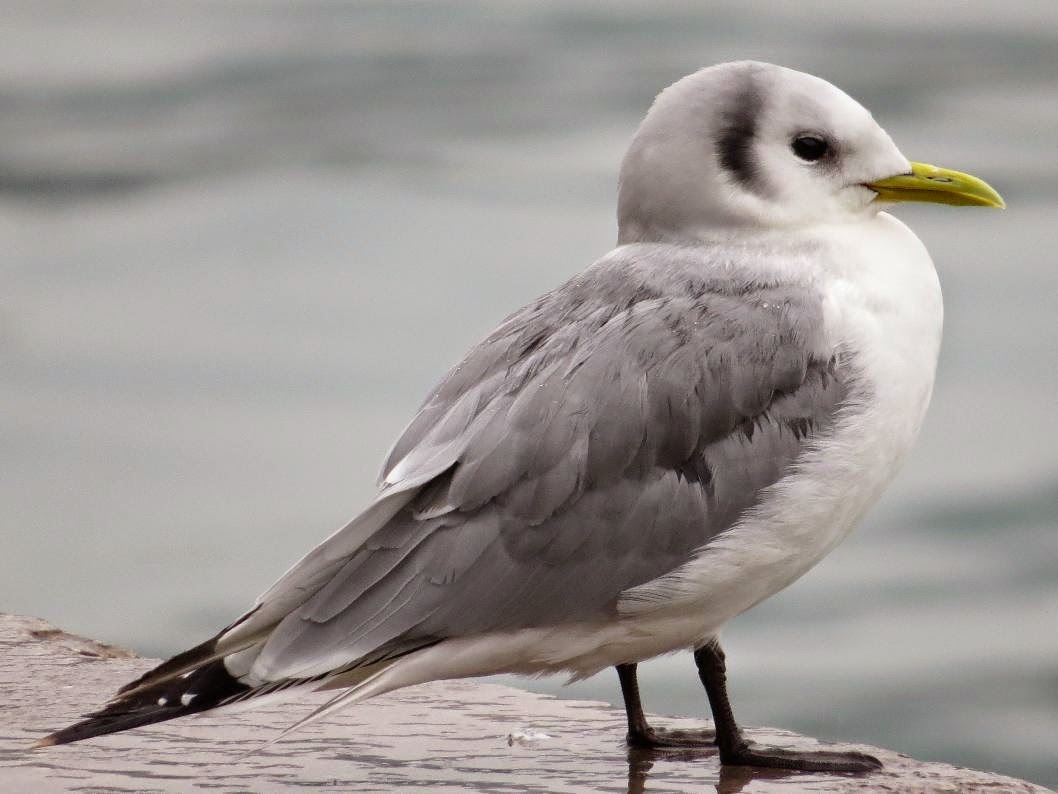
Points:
[[882, 305]]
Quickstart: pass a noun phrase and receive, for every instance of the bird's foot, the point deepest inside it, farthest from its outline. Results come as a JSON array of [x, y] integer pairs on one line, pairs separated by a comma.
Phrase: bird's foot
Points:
[[661, 738], [745, 754]]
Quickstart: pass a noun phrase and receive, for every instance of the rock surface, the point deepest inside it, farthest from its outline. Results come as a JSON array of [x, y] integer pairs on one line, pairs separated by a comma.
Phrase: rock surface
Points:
[[441, 737]]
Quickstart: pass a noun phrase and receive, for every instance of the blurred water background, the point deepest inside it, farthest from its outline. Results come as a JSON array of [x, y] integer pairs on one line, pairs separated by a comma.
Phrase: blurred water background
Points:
[[241, 240]]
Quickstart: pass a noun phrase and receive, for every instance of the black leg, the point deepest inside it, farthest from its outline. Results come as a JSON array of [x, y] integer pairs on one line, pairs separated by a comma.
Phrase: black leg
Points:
[[736, 751], [640, 733]]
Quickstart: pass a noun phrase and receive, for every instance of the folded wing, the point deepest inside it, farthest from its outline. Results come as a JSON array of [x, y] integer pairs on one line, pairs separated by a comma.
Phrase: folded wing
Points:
[[589, 445]]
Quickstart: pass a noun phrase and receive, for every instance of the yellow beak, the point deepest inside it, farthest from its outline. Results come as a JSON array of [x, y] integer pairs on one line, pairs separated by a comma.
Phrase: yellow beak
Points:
[[938, 186]]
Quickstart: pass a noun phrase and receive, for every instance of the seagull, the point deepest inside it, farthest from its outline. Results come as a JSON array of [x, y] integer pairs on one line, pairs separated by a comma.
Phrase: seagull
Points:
[[636, 457]]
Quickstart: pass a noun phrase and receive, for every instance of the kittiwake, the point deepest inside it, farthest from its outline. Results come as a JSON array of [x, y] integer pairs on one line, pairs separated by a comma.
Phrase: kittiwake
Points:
[[643, 453]]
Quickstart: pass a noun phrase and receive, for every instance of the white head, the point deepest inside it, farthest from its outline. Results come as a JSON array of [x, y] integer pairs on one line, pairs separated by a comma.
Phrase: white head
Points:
[[751, 143]]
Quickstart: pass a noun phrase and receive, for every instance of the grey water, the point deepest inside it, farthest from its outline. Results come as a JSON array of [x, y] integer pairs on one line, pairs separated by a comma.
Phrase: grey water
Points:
[[241, 241]]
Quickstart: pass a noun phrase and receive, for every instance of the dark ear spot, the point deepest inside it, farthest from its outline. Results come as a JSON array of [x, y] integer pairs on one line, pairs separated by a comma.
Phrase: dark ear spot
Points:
[[734, 145]]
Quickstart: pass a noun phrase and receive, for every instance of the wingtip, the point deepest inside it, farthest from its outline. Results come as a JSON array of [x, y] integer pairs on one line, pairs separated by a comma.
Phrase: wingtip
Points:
[[48, 741]]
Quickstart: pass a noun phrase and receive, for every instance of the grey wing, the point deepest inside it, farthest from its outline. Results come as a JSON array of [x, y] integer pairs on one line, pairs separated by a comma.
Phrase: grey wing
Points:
[[591, 444]]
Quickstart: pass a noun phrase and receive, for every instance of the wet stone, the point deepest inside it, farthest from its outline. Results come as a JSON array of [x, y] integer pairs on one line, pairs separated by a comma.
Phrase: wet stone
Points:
[[441, 737]]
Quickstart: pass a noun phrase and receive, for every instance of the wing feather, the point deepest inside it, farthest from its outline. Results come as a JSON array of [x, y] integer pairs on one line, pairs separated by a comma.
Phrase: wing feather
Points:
[[627, 417]]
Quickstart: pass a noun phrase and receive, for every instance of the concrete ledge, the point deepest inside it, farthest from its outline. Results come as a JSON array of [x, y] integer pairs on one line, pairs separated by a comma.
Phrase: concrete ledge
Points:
[[442, 737]]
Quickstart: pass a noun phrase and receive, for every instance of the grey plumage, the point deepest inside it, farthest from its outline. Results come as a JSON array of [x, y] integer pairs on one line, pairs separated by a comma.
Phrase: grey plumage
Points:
[[596, 439]]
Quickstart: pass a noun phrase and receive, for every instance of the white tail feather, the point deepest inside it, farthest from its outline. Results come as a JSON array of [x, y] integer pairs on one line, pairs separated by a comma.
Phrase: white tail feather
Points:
[[361, 691]]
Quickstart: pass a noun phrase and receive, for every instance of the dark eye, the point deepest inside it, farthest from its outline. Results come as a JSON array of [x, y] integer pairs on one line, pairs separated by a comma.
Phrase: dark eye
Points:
[[810, 147]]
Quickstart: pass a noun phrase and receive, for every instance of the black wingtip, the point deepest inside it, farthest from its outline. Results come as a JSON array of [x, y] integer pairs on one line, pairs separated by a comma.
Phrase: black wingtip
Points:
[[198, 656], [99, 726], [201, 690], [180, 662]]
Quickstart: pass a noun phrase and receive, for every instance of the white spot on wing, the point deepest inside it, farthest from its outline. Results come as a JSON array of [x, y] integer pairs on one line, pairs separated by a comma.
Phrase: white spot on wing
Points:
[[187, 697], [162, 701]]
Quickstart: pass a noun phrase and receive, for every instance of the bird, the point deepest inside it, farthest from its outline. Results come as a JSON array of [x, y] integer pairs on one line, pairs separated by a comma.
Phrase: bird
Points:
[[628, 462]]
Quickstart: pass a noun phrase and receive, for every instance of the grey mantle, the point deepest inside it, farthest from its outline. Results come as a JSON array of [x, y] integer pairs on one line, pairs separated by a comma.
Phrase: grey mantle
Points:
[[442, 737]]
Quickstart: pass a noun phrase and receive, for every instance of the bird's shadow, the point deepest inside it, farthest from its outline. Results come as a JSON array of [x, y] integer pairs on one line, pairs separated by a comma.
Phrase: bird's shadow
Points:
[[733, 779]]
